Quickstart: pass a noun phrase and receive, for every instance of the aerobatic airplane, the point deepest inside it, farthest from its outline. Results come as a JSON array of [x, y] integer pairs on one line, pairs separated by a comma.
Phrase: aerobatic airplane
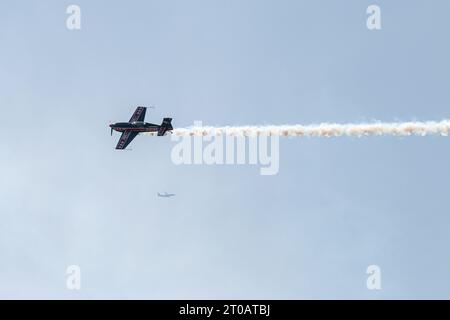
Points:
[[137, 125]]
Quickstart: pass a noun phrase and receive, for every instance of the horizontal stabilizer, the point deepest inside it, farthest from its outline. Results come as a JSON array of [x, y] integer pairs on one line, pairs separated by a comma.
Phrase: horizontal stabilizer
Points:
[[166, 125]]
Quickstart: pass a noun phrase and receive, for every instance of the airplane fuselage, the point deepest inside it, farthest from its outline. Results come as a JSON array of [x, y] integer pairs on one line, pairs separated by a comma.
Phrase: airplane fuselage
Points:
[[137, 126]]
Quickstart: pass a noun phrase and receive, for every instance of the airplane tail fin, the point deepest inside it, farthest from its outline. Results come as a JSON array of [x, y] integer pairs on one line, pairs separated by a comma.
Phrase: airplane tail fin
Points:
[[165, 126]]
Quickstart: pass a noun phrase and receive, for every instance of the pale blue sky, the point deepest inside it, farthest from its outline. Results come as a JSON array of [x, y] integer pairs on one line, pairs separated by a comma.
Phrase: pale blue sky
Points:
[[336, 206]]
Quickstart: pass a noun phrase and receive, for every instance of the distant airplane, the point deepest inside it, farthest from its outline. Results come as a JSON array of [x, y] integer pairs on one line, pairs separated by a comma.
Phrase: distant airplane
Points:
[[166, 195], [136, 125]]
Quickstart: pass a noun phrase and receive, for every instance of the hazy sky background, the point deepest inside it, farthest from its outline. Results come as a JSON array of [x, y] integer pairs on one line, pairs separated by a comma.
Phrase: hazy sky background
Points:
[[336, 206]]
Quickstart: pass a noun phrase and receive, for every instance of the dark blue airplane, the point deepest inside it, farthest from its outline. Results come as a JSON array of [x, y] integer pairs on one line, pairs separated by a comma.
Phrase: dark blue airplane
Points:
[[137, 125]]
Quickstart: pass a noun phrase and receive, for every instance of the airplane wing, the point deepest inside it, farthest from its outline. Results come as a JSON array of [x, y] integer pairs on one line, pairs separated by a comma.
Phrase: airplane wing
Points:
[[125, 139], [138, 115]]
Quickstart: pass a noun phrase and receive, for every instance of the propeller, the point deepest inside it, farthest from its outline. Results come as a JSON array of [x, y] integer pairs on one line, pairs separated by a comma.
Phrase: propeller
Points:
[[110, 123]]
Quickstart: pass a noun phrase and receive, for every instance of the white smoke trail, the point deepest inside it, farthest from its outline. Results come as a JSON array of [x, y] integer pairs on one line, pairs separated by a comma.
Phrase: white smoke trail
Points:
[[325, 130]]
